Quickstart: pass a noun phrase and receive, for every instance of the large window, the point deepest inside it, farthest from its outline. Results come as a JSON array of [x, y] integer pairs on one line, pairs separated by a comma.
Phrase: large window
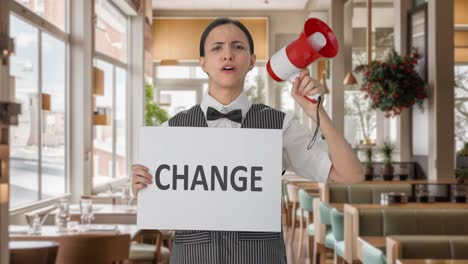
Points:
[[110, 30], [461, 105], [362, 122], [38, 149], [51, 10], [109, 146], [110, 138]]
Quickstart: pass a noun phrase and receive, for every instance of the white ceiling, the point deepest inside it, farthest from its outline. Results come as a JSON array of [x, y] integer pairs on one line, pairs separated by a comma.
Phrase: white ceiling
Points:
[[231, 4], [251, 4]]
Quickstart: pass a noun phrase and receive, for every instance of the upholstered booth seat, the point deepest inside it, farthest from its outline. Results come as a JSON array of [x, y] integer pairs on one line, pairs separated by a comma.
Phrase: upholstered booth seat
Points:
[[430, 247], [364, 193], [416, 222]]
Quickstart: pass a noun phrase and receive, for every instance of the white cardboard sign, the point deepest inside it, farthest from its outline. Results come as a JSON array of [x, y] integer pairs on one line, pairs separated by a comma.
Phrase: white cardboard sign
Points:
[[226, 179]]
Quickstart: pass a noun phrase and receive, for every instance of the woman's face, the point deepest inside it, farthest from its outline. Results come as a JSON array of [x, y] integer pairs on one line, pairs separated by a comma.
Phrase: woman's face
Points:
[[227, 57]]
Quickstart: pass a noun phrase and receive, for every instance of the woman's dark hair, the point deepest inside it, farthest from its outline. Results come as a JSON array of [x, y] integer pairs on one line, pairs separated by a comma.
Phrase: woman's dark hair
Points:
[[222, 21]]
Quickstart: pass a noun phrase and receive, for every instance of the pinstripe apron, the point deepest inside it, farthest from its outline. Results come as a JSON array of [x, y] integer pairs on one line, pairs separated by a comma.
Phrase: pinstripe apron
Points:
[[229, 247]]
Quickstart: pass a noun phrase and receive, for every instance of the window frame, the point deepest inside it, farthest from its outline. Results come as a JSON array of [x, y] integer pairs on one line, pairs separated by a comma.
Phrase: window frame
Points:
[[383, 126], [114, 62], [462, 64], [42, 25], [128, 28]]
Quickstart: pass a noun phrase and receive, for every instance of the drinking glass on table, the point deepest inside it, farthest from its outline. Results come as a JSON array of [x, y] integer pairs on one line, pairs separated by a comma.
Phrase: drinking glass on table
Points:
[[459, 193], [126, 198], [63, 215], [422, 193], [36, 226], [86, 212]]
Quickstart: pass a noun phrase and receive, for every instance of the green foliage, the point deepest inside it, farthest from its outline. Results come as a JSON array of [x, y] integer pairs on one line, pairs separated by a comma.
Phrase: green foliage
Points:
[[393, 84], [387, 151], [461, 174], [154, 114], [464, 151]]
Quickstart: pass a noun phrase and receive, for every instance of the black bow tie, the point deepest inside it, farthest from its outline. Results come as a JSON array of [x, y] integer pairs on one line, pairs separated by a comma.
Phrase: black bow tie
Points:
[[234, 115]]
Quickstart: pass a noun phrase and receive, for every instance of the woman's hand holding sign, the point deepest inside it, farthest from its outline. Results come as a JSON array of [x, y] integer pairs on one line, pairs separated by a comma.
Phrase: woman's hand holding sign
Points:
[[140, 178]]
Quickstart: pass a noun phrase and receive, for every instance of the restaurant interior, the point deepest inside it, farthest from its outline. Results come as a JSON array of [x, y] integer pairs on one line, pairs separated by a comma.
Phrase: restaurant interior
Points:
[[79, 79]]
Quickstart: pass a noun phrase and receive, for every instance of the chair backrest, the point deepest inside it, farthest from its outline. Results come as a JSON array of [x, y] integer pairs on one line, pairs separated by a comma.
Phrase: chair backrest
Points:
[[90, 248], [325, 210], [94, 248], [305, 201], [293, 193], [405, 221], [337, 223], [40, 252]]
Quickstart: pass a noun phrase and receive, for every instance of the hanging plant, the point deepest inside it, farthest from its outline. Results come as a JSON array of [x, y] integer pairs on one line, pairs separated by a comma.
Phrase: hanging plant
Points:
[[393, 84]]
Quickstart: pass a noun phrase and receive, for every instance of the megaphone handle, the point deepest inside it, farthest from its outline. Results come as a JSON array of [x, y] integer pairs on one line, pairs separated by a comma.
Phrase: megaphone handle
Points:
[[312, 98]]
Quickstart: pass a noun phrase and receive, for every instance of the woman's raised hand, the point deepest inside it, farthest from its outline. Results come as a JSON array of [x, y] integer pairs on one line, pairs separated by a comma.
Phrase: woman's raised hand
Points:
[[305, 85], [140, 178]]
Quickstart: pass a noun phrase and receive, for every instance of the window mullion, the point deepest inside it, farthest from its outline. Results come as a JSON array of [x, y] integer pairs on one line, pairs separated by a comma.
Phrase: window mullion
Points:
[[67, 107], [114, 129], [39, 114]]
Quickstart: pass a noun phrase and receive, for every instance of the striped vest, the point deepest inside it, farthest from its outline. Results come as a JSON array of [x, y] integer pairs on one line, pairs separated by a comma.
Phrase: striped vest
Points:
[[229, 247]]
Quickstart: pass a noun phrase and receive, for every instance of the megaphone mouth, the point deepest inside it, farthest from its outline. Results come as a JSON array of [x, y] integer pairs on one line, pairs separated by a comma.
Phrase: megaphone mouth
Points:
[[314, 25]]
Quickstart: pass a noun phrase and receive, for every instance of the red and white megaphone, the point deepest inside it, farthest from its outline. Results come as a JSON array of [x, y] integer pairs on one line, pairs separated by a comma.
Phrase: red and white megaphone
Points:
[[316, 41]]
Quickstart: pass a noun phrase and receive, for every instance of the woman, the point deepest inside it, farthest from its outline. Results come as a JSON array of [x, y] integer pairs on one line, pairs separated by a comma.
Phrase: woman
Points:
[[227, 55]]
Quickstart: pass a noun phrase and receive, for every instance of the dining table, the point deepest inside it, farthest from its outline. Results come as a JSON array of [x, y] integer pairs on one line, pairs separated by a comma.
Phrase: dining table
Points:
[[102, 214], [23, 232]]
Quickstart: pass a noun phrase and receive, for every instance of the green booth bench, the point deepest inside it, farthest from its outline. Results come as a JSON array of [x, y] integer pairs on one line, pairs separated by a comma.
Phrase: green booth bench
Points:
[[403, 219], [427, 247], [363, 193]]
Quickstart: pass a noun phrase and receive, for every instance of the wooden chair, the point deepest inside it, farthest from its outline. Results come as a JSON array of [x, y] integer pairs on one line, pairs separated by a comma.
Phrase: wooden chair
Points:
[[320, 233], [306, 223], [40, 252], [98, 248], [147, 247], [293, 195], [286, 205], [94, 248]]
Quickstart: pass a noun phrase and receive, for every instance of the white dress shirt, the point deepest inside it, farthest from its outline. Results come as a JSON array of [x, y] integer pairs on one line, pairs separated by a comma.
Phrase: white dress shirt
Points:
[[314, 164]]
